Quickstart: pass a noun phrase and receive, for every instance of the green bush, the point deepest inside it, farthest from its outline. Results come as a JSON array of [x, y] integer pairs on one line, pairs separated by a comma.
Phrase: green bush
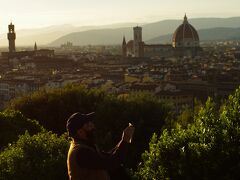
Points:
[[52, 108], [38, 157], [207, 149], [13, 124], [144, 111]]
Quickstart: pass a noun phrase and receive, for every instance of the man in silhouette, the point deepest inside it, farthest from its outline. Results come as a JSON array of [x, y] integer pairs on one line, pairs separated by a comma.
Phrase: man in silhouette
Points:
[[85, 161]]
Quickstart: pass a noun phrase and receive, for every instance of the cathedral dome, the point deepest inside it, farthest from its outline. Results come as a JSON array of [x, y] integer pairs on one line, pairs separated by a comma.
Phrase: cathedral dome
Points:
[[185, 35]]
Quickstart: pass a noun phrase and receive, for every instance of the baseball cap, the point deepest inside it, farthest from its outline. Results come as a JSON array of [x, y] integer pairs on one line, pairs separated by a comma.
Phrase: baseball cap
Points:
[[77, 120]]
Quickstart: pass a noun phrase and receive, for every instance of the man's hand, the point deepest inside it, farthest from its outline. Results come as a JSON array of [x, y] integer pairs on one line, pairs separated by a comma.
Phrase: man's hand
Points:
[[128, 133]]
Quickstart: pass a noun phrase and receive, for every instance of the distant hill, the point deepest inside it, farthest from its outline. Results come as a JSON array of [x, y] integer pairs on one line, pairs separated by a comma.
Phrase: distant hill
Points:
[[150, 31], [212, 34], [108, 34], [95, 37], [45, 35], [42, 36]]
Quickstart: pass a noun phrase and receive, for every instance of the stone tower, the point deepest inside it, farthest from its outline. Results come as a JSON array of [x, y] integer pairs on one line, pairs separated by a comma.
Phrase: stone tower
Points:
[[124, 47], [137, 42], [11, 38]]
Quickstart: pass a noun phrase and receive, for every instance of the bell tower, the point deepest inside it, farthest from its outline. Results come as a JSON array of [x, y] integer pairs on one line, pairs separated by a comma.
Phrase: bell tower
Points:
[[137, 42], [11, 38]]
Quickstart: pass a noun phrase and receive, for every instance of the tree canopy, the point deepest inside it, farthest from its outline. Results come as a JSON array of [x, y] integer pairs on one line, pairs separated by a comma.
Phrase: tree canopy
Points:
[[113, 113], [41, 156], [209, 148], [13, 124]]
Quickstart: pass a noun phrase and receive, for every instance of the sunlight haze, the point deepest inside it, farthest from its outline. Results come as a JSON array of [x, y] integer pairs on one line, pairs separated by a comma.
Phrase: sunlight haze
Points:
[[32, 14]]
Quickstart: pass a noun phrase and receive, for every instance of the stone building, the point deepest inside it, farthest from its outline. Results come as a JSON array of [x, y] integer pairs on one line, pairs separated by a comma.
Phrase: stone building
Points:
[[185, 42], [11, 38], [20, 54]]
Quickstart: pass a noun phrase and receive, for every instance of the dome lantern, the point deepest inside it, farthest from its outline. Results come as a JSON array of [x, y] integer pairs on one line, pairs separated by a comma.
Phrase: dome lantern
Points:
[[185, 19]]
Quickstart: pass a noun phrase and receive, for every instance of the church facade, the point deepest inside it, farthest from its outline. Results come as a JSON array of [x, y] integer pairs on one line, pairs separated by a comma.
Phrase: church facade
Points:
[[185, 42]]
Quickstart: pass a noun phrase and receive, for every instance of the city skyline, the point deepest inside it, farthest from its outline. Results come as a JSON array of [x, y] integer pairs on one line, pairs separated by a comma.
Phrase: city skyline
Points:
[[30, 14]]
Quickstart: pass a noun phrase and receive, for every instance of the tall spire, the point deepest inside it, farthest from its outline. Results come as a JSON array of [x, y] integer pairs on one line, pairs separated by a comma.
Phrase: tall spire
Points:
[[185, 19], [124, 41], [35, 46], [124, 47]]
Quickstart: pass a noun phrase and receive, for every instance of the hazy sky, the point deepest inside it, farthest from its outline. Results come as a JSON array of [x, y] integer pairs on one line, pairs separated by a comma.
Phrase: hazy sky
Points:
[[38, 13]]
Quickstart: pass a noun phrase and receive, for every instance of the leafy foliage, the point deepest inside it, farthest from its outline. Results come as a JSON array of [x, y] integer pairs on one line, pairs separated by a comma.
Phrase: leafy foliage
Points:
[[13, 124], [52, 108], [41, 156], [207, 149], [144, 111]]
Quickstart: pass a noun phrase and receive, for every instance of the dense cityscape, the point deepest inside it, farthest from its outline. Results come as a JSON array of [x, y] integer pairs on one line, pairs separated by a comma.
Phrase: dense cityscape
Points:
[[179, 72]]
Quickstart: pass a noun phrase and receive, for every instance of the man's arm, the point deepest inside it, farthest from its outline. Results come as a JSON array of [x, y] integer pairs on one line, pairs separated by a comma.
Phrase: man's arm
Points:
[[87, 158]]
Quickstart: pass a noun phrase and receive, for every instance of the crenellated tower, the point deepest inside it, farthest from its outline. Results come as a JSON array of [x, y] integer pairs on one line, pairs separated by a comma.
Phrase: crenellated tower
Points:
[[11, 38]]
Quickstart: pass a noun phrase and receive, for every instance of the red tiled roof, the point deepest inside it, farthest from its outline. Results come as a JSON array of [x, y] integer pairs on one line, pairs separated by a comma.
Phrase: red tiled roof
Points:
[[185, 30]]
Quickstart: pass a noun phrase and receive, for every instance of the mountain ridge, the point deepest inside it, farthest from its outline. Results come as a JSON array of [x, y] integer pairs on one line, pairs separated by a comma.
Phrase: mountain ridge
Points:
[[212, 34], [150, 31], [45, 35], [110, 34]]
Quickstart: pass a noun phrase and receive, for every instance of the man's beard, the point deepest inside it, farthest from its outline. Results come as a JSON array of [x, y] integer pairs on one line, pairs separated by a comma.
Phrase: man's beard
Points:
[[91, 135]]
